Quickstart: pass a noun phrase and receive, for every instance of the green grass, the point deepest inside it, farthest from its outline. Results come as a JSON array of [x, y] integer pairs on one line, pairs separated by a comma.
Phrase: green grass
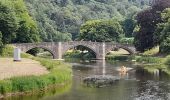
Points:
[[59, 73], [167, 61], [78, 54], [152, 51], [120, 57], [148, 59], [7, 51]]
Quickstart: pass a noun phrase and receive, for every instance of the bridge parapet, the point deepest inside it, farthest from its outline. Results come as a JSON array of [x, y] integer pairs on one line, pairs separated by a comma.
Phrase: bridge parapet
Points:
[[57, 49]]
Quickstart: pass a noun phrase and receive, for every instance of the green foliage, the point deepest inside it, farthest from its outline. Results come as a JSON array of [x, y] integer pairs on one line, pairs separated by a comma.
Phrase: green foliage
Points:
[[5, 86], [59, 73], [147, 59], [152, 51], [15, 23], [148, 20], [162, 34], [8, 23], [167, 61], [165, 46], [120, 57], [128, 27], [1, 43], [127, 40], [6, 51], [78, 54], [57, 17], [101, 30]]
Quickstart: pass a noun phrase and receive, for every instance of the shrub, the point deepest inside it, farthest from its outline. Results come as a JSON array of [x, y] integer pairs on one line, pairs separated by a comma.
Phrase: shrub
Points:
[[120, 57], [147, 59], [127, 40], [59, 73], [165, 46], [152, 51], [7, 51], [5, 86], [167, 61]]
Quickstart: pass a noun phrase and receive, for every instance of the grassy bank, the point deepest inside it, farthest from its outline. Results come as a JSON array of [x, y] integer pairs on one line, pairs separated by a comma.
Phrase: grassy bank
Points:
[[59, 73], [148, 63], [120, 57], [78, 54]]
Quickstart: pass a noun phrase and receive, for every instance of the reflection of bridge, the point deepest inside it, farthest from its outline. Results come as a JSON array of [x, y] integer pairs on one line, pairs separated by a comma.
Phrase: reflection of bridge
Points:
[[57, 49]]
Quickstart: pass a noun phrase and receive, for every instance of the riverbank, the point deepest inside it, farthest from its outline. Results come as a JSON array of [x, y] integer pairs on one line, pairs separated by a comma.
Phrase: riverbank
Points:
[[147, 60], [27, 67], [58, 73]]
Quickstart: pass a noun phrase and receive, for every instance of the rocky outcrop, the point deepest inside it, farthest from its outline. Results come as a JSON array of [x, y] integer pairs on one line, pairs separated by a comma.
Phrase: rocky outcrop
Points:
[[99, 81]]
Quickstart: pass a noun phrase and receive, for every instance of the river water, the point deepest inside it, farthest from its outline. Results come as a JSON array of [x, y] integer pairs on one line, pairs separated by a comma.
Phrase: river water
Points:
[[135, 85]]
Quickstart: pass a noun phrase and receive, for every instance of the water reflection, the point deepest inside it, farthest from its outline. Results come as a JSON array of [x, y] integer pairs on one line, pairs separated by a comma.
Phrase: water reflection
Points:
[[137, 84]]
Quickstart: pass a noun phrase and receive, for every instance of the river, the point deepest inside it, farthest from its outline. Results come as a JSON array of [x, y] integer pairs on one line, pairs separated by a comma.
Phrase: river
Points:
[[135, 85]]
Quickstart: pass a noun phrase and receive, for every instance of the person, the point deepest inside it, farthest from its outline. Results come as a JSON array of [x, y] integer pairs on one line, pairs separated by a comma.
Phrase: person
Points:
[[123, 69]]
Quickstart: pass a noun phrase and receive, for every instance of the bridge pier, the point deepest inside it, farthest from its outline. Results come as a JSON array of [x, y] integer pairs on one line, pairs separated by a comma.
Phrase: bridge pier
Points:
[[57, 49], [101, 52]]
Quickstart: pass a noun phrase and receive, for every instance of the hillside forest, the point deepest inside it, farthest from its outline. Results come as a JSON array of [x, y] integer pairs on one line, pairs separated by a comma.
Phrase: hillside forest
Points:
[[144, 23]]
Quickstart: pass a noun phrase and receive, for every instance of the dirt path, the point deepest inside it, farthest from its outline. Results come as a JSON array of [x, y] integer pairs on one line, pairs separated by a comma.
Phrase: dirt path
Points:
[[26, 67]]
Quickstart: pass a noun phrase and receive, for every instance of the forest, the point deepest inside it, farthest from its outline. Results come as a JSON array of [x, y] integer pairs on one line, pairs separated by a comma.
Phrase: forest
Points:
[[144, 23]]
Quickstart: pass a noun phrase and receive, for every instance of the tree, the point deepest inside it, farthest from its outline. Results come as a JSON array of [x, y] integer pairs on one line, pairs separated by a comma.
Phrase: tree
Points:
[[147, 21], [1, 43], [16, 25], [27, 33], [8, 24], [162, 33], [128, 27], [101, 30], [66, 16]]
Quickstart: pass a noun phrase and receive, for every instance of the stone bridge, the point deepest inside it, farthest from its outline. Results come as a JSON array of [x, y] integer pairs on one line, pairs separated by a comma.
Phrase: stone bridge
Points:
[[57, 49]]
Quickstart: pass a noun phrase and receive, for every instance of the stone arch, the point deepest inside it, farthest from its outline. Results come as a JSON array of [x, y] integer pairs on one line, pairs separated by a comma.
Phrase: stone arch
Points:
[[73, 46], [45, 48], [131, 52]]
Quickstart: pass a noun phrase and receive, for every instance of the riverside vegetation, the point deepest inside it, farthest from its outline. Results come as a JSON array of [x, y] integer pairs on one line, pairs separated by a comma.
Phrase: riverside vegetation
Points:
[[59, 73], [149, 59], [144, 23]]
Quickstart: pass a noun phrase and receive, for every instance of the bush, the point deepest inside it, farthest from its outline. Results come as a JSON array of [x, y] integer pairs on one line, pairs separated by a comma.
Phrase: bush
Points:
[[59, 73], [152, 51], [5, 86], [147, 59], [7, 51], [165, 46], [167, 61], [120, 57], [78, 54], [127, 40]]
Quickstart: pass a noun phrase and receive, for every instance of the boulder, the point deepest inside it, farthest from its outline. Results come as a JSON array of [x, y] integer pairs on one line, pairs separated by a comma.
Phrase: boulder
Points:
[[100, 80]]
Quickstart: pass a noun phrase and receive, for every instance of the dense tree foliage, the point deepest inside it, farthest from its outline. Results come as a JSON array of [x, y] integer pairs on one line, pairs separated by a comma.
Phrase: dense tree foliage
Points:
[[8, 24], [15, 23], [101, 30], [147, 21], [60, 17], [162, 33]]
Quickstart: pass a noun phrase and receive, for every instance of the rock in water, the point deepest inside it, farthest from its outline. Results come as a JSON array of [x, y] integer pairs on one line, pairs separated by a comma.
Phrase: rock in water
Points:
[[100, 80]]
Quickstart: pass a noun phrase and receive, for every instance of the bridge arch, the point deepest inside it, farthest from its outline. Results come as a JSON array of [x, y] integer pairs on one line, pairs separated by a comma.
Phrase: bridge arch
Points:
[[131, 52], [89, 48], [41, 47], [57, 49]]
